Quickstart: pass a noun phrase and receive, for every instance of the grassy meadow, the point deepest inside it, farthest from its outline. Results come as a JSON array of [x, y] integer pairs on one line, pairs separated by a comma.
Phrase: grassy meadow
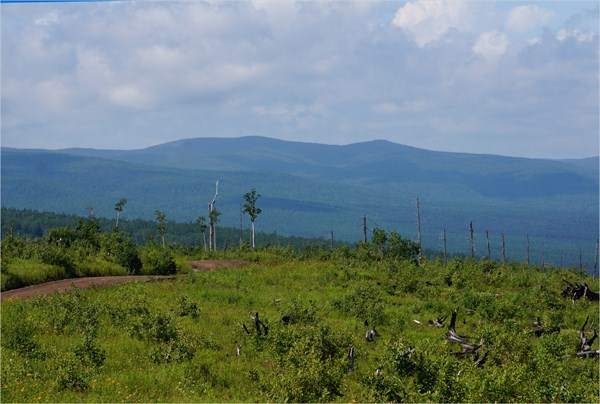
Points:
[[176, 340]]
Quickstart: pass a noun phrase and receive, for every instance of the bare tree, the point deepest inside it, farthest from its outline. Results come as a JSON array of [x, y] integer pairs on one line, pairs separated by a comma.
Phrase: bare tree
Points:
[[471, 239], [419, 226], [211, 225], [214, 219]]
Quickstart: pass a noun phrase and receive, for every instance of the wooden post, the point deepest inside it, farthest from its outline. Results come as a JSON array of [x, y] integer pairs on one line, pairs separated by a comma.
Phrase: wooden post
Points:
[[419, 227], [487, 237], [241, 212], [561, 258], [365, 228], [471, 240], [596, 260], [445, 256], [527, 250]]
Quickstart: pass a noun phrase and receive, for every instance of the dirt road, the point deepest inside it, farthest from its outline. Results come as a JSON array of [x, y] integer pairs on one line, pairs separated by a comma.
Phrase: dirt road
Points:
[[66, 284]]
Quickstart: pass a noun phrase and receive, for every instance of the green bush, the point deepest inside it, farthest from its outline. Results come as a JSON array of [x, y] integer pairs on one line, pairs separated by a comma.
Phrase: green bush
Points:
[[158, 261]]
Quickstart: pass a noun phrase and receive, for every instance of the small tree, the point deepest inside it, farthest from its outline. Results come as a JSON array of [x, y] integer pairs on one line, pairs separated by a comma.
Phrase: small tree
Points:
[[161, 218], [251, 209], [119, 208], [201, 221]]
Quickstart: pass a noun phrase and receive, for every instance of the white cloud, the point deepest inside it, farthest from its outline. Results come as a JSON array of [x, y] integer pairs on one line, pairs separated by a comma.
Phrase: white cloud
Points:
[[429, 20], [48, 19], [149, 72], [524, 18], [564, 34], [130, 96], [491, 45]]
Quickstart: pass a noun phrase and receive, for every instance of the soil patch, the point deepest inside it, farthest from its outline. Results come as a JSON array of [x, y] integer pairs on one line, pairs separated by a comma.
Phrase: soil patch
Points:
[[213, 265]]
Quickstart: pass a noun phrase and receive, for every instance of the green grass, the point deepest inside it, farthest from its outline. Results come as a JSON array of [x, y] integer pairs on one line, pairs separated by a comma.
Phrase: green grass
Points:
[[22, 272], [175, 340]]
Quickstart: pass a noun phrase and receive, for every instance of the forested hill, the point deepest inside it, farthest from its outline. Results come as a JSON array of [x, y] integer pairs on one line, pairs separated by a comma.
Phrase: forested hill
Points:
[[369, 163], [30, 223], [312, 190]]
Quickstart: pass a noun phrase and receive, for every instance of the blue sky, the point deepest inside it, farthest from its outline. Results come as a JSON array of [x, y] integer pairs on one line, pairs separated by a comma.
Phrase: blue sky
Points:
[[495, 77]]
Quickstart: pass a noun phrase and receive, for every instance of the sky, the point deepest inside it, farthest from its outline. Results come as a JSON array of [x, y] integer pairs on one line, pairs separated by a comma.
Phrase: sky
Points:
[[516, 78]]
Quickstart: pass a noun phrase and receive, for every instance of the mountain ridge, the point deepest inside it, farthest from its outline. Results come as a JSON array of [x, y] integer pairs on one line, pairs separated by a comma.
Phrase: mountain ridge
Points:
[[312, 189]]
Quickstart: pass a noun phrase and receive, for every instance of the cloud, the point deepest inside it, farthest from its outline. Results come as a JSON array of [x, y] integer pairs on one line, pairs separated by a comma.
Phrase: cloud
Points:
[[491, 45], [443, 75], [48, 19], [429, 20], [564, 34], [524, 18]]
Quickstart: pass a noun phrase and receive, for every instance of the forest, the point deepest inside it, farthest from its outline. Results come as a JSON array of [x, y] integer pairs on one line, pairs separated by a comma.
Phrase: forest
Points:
[[368, 322]]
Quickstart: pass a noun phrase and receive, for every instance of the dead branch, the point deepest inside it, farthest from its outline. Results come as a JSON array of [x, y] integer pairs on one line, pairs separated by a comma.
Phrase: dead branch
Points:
[[585, 344], [452, 336], [258, 324], [438, 322]]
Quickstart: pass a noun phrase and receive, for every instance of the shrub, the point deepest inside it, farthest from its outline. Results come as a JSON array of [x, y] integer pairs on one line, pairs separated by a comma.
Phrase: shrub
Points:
[[158, 261], [119, 248]]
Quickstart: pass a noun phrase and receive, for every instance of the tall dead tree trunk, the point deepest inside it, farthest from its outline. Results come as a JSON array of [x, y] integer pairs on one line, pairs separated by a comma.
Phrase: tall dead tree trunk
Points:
[[561, 257], [212, 234], [527, 250], [471, 240], [487, 237], [445, 255], [241, 229], [596, 260], [419, 227], [503, 248], [364, 228]]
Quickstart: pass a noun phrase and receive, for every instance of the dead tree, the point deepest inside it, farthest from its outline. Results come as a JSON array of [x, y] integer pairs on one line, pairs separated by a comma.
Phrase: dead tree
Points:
[[351, 358], [577, 291], [585, 344], [596, 260], [468, 348], [419, 227], [445, 255], [439, 322], [212, 237], [527, 250], [503, 248], [471, 239], [487, 238], [244, 327], [258, 324], [371, 334]]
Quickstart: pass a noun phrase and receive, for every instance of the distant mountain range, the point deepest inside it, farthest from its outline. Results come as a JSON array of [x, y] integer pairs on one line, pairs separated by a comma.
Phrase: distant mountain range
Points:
[[311, 189]]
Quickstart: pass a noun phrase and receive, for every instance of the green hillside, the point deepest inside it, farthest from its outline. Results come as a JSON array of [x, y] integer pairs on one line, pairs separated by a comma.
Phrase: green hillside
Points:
[[195, 338], [310, 190]]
